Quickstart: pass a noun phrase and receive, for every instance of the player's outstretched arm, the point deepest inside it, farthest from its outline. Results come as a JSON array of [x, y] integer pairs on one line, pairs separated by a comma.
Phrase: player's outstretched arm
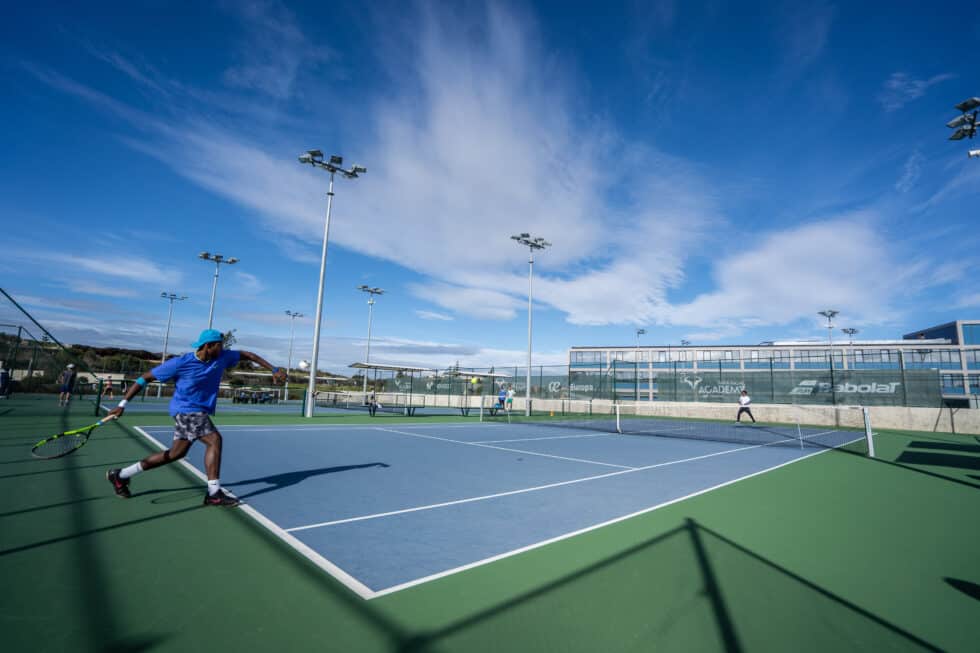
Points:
[[133, 390], [278, 374]]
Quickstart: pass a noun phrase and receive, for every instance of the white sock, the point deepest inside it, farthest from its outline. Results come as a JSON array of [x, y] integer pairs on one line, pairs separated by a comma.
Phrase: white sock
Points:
[[213, 486], [130, 471]]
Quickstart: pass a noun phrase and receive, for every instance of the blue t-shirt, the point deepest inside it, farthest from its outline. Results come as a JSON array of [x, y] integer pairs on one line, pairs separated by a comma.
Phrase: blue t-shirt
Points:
[[197, 382]]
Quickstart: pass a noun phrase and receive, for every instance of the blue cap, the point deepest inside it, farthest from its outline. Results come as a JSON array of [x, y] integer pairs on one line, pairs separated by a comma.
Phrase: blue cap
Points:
[[208, 335]]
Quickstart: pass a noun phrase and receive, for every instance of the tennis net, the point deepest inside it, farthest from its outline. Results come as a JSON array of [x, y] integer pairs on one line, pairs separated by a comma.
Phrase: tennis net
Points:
[[386, 402], [809, 427]]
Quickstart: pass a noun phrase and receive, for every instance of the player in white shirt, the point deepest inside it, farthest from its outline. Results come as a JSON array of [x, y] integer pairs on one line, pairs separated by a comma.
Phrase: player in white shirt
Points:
[[744, 401]]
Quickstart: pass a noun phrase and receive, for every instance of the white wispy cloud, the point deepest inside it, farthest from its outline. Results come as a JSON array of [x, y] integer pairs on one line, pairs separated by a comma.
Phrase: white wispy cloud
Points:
[[970, 300], [803, 32], [432, 315], [129, 269], [91, 288], [274, 50], [964, 180], [248, 282], [845, 263], [900, 89], [910, 173]]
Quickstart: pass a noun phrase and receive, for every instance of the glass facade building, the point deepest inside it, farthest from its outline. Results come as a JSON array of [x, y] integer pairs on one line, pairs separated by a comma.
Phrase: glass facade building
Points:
[[952, 350]]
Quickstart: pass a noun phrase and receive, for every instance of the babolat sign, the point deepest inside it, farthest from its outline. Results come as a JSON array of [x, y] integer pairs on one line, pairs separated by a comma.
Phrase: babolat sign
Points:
[[811, 386]]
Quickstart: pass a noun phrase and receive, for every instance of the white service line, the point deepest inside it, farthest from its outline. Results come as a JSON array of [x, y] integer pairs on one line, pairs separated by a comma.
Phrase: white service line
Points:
[[550, 437], [488, 446], [513, 492]]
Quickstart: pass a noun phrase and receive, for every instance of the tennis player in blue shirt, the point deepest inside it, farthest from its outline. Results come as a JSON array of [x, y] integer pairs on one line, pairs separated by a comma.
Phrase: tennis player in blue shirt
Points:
[[196, 375]]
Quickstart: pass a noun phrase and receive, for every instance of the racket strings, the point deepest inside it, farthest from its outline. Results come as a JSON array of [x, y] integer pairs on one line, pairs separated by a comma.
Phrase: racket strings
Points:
[[60, 445]]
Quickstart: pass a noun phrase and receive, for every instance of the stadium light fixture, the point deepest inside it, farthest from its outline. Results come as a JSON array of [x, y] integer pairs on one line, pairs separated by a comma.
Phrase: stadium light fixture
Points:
[[532, 244], [289, 361], [685, 343], [966, 124], [218, 260], [850, 334], [829, 314], [372, 292], [171, 297], [315, 159]]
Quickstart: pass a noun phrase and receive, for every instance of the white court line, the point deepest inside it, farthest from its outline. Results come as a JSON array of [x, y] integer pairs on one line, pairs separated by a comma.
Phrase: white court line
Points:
[[339, 574], [513, 492], [487, 446], [550, 437]]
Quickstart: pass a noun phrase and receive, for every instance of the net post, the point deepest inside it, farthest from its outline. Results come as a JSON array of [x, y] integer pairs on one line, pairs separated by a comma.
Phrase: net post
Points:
[[619, 425], [868, 434]]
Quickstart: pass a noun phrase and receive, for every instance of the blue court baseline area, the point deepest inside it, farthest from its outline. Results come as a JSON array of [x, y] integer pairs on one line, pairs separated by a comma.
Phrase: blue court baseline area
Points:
[[387, 507], [162, 405]]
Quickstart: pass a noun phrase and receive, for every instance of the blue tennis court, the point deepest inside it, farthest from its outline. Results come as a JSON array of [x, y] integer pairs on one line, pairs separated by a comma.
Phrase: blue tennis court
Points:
[[383, 507], [162, 405]]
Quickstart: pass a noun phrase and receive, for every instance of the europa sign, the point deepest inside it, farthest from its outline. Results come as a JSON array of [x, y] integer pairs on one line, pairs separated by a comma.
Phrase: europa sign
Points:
[[811, 386]]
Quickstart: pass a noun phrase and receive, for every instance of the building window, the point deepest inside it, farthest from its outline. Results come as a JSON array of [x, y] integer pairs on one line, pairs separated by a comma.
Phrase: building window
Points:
[[974, 381], [971, 334], [952, 384], [972, 357], [944, 359]]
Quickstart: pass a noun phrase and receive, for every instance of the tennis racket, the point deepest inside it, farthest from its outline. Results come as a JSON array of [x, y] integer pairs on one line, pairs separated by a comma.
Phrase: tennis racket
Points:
[[66, 442]]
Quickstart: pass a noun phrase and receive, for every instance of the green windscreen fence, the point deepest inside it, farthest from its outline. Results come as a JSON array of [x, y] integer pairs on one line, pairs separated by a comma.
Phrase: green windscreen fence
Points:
[[629, 382], [816, 387]]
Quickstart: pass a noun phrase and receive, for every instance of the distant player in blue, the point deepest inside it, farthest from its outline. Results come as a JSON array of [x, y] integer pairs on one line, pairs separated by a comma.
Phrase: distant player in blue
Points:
[[196, 375], [501, 397]]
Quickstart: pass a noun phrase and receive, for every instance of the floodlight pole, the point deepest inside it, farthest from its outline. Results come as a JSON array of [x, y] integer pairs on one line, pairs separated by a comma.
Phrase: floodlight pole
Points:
[[636, 364], [532, 244], [218, 260], [289, 361], [829, 314], [171, 297], [315, 158], [850, 333], [367, 356]]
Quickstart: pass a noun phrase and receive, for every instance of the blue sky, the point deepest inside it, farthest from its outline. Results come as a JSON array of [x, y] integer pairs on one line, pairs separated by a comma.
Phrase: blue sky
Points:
[[717, 172]]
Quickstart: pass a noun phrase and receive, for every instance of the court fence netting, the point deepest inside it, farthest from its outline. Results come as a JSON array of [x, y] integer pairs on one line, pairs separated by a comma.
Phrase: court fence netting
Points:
[[912, 381], [798, 426]]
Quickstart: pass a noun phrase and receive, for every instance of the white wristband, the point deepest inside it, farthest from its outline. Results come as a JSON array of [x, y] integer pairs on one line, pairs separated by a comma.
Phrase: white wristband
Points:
[[122, 404]]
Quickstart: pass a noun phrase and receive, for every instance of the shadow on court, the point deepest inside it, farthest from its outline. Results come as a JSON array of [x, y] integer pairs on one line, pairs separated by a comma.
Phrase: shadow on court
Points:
[[688, 589], [279, 481], [970, 589]]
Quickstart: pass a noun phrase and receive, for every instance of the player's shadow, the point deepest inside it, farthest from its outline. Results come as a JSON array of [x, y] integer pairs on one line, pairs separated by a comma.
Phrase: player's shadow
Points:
[[280, 481]]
